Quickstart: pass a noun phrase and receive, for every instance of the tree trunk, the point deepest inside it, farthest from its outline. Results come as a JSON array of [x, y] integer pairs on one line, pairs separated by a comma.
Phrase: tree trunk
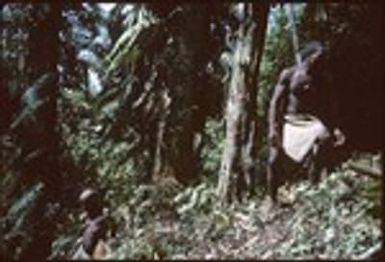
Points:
[[237, 173], [28, 228], [175, 156]]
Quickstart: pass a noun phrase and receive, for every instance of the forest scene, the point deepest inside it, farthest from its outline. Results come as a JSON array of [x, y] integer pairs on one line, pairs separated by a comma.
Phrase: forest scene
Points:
[[197, 130]]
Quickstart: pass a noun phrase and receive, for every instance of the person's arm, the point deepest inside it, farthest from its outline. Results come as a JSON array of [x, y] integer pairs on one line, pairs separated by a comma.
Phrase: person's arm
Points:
[[90, 238], [277, 109], [96, 230]]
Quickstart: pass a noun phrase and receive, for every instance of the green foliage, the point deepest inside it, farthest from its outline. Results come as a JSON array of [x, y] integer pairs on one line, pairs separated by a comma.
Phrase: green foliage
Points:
[[68, 240], [156, 73], [126, 46], [333, 220], [201, 198], [213, 142], [22, 207], [109, 163]]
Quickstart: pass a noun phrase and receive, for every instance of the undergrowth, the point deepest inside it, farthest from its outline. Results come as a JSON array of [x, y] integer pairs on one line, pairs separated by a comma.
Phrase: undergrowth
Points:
[[338, 218]]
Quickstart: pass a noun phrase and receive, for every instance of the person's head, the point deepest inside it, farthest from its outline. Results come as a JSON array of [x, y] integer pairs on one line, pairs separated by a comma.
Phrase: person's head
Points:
[[304, 73], [92, 202], [312, 49]]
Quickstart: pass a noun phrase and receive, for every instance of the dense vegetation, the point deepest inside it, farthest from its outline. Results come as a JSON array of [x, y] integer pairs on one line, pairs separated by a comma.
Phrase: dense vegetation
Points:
[[163, 107]]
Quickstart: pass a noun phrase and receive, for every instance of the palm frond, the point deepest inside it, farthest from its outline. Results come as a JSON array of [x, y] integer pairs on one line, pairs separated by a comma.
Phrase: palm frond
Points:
[[126, 44]]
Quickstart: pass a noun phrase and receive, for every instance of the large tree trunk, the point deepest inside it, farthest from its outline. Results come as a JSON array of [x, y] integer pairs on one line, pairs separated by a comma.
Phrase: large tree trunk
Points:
[[237, 174], [175, 155], [27, 228]]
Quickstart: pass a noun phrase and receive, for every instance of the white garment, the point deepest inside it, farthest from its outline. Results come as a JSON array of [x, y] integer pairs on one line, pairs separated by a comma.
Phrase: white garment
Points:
[[300, 132]]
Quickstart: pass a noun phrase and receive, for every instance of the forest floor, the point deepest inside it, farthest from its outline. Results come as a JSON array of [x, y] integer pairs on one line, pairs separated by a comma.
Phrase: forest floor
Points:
[[337, 219]]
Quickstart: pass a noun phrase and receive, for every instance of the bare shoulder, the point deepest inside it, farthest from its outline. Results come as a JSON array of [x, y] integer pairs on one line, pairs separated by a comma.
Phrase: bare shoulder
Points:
[[284, 79], [286, 74]]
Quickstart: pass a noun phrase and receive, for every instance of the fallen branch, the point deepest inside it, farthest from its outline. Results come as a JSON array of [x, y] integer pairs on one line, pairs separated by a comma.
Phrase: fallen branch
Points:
[[365, 170], [370, 253]]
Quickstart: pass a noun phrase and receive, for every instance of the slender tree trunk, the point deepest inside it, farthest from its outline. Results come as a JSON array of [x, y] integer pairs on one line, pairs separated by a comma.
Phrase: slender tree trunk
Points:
[[237, 173]]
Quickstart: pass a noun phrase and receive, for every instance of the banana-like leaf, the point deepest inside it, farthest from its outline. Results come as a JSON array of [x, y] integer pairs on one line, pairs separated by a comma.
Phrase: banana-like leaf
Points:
[[19, 211], [126, 44], [127, 34], [122, 48], [31, 101]]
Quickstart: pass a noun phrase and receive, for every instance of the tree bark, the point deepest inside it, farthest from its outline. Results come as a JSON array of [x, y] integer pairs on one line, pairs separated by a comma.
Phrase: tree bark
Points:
[[29, 218], [237, 173], [175, 155]]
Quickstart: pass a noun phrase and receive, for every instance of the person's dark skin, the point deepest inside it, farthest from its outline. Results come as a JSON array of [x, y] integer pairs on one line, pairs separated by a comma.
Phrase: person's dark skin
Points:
[[96, 223], [96, 229], [276, 112]]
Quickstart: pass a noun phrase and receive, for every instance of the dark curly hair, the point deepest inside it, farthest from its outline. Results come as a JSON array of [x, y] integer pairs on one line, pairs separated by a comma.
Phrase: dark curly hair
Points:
[[92, 202]]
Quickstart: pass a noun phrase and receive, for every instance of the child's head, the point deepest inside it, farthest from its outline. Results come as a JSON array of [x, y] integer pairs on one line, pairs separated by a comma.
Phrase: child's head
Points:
[[92, 202]]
